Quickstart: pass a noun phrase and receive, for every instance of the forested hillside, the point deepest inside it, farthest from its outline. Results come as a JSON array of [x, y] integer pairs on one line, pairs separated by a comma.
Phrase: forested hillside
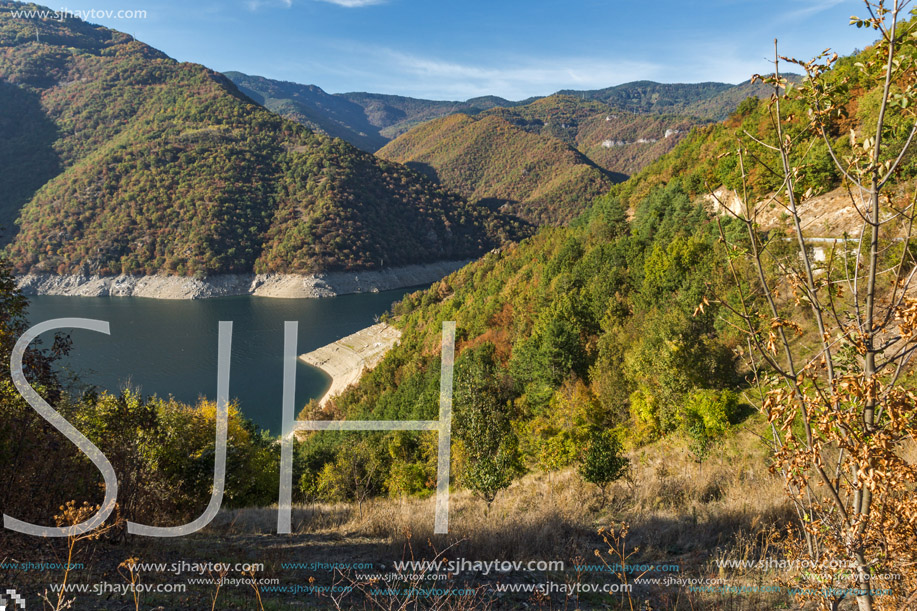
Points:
[[317, 110], [619, 141], [366, 120], [604, 325], [542, 161], [709, 101], [122, 160], [531, 175], [561, 340], [370, 120]]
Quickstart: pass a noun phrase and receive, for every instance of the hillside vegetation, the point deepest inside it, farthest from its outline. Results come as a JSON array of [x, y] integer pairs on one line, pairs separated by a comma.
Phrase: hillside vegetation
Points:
[[565, 337], [706, 158], [366, 120], [140, 164], [543, 161], [582, 348], [533, 176], [317, 110], [622, 142], [710, 101], [596, 326]]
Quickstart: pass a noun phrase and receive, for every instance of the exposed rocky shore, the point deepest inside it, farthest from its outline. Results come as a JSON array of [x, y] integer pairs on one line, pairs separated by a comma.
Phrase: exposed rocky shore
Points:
[[289, 286], [346, 359]]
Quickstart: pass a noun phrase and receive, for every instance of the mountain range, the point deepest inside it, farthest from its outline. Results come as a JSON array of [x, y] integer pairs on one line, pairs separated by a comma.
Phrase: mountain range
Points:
[[541, 160], [366, 120], [370, 120], [117, 159]]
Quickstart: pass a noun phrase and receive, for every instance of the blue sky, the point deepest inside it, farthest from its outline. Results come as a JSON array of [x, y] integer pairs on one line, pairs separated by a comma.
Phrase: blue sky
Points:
[[456, 49]]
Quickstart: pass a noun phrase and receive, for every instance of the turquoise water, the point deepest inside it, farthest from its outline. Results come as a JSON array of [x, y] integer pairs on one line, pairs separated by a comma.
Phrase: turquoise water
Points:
[[170, 347]]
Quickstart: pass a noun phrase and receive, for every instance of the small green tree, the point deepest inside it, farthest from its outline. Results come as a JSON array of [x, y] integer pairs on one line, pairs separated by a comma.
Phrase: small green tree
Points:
[[603, 462], [484, 426], [355, 475]]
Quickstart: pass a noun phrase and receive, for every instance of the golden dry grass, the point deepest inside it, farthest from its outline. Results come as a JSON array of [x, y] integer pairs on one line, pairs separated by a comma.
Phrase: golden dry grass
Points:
[[670, 500], [679, 511]]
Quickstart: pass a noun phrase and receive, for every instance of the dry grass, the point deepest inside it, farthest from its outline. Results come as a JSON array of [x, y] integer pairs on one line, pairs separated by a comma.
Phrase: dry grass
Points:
[[679, 511], [679, 505], [673, 503]]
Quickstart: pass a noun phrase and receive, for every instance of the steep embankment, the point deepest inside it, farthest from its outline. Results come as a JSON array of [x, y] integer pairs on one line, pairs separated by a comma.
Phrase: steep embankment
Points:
[[147, 166], [346, 359], [287, 286]]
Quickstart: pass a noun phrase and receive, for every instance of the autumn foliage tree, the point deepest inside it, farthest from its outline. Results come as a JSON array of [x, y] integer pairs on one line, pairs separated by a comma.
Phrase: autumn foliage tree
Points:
[[830, 341]]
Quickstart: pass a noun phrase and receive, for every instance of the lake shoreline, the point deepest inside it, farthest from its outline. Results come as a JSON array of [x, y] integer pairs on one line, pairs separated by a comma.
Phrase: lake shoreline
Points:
[[281, 286], [346, 359]]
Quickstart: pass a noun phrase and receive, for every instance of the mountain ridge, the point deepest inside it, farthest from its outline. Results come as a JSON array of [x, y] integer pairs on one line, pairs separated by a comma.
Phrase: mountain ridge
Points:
[[487, 159], [155, 166], [543, 162], [390, 115]]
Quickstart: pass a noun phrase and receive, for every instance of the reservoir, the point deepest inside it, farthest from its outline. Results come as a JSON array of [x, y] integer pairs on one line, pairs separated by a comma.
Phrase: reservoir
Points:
[[167, 347]]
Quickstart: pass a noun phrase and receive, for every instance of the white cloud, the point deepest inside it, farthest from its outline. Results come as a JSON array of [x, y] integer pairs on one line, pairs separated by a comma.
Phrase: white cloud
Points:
[[811, 8], [354, 3], [254, 5], [513, 78]]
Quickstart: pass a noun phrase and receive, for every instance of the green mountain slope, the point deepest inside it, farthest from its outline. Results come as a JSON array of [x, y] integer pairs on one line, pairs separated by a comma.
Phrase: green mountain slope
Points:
[[648, 96], [705, 159], [711, 101], [596, 326], [147, 165], [311, 106], [366, 120], [533, 176], [576, 331]]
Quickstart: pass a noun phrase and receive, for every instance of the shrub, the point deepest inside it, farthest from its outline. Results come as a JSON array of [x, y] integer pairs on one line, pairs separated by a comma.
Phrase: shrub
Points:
[[484, 425], [707, 415], [603, 461], [644, 409]]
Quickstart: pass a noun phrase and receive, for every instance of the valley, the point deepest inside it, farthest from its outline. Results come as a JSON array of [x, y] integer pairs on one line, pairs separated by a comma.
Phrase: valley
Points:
[[639, 346]]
